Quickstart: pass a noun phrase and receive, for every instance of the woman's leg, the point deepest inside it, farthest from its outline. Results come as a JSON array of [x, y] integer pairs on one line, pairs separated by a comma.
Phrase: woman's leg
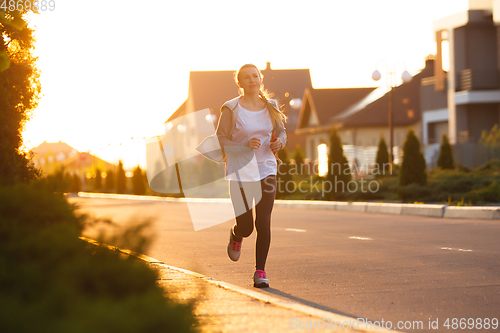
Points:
[[244, 221], [263, 221]]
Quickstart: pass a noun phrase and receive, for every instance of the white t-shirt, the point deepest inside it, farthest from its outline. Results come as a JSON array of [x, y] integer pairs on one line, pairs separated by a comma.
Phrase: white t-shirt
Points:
[[261, 162]]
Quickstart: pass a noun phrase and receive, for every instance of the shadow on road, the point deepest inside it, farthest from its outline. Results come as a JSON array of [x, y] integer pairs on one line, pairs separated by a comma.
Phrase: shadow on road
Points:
[[277, 292]]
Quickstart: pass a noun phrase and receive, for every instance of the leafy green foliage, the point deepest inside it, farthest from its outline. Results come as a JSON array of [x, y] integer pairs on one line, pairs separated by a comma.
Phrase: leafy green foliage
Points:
[[491, 141], [51, 281], [413, 166], [445, 159], [19, 90]]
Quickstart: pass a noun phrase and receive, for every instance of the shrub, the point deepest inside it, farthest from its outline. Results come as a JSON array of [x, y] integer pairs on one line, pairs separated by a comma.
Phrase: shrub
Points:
[[382, 159], [487, 194], [98, 180], [283, 175], [138, 186], [413, 166], [121, 180], [109, 184], [51, 281], [298, 156], [445, 159], [338, 167]]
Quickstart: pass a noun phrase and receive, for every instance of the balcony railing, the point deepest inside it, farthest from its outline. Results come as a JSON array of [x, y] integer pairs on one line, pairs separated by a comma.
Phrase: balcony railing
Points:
[[478, 79]]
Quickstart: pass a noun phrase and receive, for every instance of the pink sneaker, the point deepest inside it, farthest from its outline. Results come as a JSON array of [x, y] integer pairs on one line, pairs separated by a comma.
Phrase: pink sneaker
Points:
[[260, 280], [233, 248]]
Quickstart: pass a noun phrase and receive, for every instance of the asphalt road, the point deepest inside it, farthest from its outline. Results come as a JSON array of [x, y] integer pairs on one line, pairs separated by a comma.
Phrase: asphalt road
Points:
[[404, 269]]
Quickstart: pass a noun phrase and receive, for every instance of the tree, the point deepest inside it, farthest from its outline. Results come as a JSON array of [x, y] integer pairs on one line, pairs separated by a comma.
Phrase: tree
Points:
[[20, 91], [121, 179], [284, 176], [413, 166], [382, 159], [138, 186], [98, 180], [445, 159], [491, 140], [76, 184], [298, 156], [109, 184], [339, 173]]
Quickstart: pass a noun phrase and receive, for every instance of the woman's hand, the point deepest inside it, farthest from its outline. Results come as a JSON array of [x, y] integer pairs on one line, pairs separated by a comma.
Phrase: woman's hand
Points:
[[276, 145], [254, 143]]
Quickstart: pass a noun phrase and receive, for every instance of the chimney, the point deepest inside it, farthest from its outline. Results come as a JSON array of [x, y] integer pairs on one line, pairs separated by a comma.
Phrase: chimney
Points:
[[481, 5], [268, 66]]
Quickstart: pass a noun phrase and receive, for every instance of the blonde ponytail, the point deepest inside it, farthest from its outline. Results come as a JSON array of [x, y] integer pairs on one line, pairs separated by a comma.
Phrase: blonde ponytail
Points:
[[277, 116]]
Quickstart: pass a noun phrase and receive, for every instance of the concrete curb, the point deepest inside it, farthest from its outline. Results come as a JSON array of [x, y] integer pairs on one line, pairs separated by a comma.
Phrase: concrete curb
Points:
[[441, 211], [290, 305]]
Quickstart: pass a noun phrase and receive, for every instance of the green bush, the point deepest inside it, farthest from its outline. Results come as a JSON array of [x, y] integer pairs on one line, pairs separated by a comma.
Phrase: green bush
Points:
[[121, 179], [138, 182], [413, 166], [283, 175], [445, 159], [338, 166], [382, 159], [487, 194], [51, 281]]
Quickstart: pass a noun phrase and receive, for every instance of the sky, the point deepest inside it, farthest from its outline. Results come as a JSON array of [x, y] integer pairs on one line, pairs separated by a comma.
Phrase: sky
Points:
[[112, 72]]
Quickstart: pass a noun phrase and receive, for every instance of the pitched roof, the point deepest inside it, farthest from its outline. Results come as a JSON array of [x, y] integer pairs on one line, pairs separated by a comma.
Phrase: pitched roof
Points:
[[210, 89], [53, 147], [406, 105], [323, 104], [359, 107]]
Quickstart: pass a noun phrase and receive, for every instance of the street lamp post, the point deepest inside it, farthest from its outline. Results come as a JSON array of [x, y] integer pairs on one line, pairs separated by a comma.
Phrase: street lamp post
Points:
[[406, 77]]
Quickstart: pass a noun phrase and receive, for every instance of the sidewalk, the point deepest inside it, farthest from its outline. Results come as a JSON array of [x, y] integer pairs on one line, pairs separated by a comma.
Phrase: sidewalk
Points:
[[224, 307]]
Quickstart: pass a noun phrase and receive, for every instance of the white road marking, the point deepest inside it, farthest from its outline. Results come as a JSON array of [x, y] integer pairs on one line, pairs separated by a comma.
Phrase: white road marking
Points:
[[296, 230], [360, 238], [453, 249]]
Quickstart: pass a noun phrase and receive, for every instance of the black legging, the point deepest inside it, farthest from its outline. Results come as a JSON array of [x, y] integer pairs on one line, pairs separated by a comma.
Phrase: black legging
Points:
[[244, 222]]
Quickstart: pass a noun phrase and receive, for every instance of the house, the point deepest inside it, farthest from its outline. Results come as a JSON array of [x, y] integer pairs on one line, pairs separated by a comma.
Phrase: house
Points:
[[49, 156], [361, 117], [210, 89], [52, 156], [471, 86]]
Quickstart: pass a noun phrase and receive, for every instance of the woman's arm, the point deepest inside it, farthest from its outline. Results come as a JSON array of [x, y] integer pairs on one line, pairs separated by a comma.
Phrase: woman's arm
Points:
[[224, 128]]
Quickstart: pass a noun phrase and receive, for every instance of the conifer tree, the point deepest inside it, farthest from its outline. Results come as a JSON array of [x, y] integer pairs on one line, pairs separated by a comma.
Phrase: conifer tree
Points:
[[382, 159], [98, 180], [413, 166], [298, 156], [284, 175], [76, 184], [138, 186], [121, 179], [339, 173], [445, 159], [109, 184]]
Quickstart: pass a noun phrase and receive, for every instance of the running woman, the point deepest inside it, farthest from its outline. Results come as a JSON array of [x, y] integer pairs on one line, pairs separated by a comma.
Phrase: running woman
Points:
[[256, 122]]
